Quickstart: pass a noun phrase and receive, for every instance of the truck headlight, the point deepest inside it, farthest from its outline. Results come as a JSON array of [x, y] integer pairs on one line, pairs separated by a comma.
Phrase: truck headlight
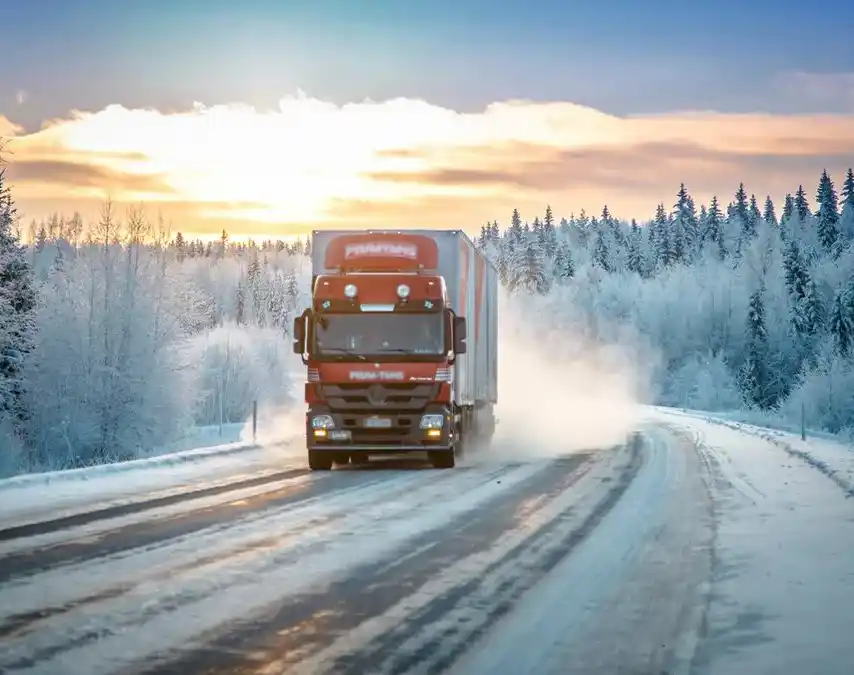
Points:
[[432, 421], [322, 422], [350, 290]]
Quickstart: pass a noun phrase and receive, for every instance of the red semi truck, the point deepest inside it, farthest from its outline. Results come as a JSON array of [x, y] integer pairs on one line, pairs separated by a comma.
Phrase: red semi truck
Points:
[[400, 344]]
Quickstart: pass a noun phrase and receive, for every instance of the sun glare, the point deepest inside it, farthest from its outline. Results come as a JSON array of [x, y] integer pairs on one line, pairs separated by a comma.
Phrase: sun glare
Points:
[[309, 161]]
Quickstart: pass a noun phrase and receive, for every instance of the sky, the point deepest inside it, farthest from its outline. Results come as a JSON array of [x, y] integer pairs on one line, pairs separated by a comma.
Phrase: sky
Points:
[[272, 118]]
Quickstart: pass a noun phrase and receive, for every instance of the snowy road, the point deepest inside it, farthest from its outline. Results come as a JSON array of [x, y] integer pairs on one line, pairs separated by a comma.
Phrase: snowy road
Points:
[[696, 549]]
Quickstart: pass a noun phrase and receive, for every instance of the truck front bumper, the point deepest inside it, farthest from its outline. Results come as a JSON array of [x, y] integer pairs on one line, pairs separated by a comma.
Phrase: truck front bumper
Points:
[[378, 432]]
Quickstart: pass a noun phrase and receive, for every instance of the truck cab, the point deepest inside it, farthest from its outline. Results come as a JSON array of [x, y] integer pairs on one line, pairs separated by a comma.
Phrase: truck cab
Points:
[[380, 342]]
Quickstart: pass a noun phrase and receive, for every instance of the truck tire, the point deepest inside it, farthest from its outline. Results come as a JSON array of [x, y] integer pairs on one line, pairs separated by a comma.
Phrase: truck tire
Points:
[[359, 458], [341, 458], [319, 461], [442, 459]]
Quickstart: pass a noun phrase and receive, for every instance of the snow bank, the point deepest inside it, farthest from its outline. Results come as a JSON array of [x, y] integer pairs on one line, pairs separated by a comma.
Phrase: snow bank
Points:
[[781, 593], [91, 472], [204, 437], [824, 452], [57, 494]]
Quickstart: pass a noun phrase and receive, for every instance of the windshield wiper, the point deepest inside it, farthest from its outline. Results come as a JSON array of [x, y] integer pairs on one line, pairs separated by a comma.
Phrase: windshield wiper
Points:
[[343, 352]]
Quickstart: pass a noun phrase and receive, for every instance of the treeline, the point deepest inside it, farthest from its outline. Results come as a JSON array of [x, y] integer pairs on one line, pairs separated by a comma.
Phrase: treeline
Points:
[[737, 306], [116, 337]]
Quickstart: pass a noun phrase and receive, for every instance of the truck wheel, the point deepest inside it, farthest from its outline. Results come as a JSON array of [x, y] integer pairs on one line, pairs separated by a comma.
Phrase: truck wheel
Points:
[[441, 459], [341, 458], [359, 458], [319, 461]]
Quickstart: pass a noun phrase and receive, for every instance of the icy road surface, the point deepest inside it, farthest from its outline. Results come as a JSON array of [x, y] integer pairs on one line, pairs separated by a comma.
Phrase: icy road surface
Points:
[[701, 548]]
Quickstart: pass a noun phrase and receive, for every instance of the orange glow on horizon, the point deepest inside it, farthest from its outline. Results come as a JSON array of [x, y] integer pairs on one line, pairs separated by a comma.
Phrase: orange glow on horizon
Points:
[[405, 163]]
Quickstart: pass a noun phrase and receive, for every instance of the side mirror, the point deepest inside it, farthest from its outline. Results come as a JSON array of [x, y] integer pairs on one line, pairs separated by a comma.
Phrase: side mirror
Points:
[[300, 332], [459, 335]]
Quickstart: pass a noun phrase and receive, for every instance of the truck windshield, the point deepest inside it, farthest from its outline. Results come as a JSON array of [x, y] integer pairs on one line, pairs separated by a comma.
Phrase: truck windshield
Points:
[[349, 335]]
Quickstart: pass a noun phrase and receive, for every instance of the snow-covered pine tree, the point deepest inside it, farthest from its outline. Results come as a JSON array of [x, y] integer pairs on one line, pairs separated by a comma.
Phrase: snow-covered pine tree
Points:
[[683, 227], [846, 220], [549, 238], [801, 204], [692, 228], [713, 228], [662, 251], [601, 252], [634, 257], [738, 222], [827, 213], [17, 308], [788, 210], [180, 247], [753, 217], [582, 229], [530, 267], [795, 271], [564, 267], [741, 205], [841, 323], [258, 287], [501, 260], [484, 237], [516, 225], [755, 373], [808, 312], [768, 214]]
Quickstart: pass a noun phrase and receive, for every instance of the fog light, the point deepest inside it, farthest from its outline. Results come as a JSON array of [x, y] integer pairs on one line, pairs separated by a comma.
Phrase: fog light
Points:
[[320, 433], [434, 433]]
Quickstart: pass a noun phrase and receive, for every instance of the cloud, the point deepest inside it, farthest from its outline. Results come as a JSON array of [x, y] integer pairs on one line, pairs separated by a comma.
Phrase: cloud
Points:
[[70, 174], [641, 167], [407, 163]]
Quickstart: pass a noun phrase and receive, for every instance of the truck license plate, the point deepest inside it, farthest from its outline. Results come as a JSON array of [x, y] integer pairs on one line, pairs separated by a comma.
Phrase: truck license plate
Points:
[[378, 422]]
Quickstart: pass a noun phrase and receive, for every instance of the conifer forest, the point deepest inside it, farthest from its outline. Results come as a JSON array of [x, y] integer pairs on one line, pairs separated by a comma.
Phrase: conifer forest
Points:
[[117, 335]]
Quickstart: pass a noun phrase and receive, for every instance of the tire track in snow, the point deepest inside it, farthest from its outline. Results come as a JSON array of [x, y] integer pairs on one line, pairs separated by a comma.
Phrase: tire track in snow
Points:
[[427, 631], [86, 517], [160, 616], [103, 538], [367, 621], [155, 547]]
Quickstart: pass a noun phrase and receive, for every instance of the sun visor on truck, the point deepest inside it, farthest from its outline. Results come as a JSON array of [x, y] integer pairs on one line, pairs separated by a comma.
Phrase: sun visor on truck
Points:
[[382, 252]]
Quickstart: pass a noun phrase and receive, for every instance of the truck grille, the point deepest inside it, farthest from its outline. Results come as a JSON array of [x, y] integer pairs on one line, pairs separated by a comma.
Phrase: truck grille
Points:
[[359, 397], [399, 433]]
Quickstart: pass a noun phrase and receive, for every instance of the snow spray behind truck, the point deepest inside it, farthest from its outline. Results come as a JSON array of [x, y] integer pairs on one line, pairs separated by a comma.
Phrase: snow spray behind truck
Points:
[[400, 344]]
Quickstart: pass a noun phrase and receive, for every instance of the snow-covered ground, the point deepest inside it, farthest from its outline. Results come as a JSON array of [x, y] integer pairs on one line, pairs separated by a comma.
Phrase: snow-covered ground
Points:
[[832, 456], [205, 437], [715, 548], [782, 597], [55, 494]]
